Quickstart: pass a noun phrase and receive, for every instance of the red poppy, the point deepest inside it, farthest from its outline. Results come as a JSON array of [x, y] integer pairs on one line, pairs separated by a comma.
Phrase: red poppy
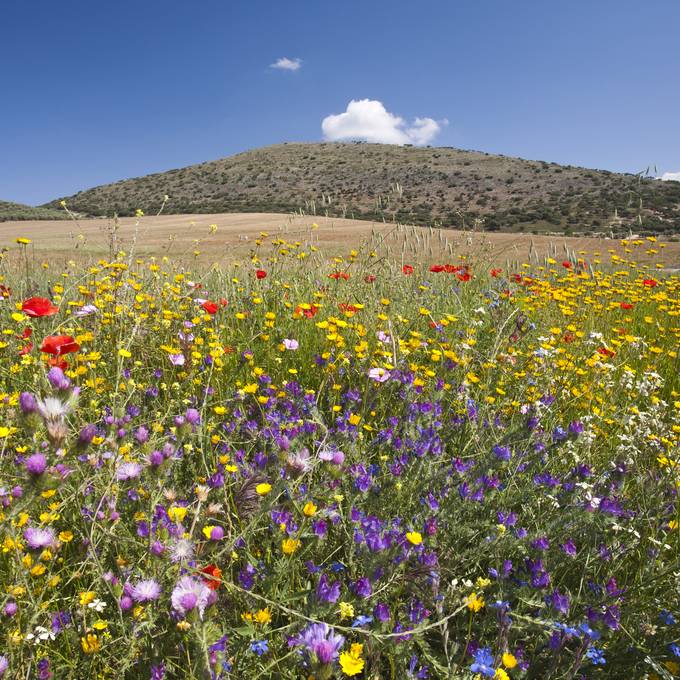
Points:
[[626, 305], [369, 278], [566, 264], [437, 268], [452, 268], [223, 302], [215, 576], [339, 275], [496, 272], [650, 283], [210, 307], [407, 269], [59, 363], [347, 308], [517, 278], [37, 306], [606, 352], [59, 344], [309, 313], [464, 276], [261, 273]]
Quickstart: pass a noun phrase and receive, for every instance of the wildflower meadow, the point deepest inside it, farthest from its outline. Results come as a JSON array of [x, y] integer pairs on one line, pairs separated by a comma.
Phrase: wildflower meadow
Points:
[[306, 466]]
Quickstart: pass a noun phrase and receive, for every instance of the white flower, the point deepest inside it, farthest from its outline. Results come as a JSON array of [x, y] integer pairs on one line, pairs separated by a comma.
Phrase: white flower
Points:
[[98, 605], [40, 634], [52, 408]]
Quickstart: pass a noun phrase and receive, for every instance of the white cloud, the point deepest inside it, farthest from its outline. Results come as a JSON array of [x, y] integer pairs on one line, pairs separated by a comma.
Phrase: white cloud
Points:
[[670, 177], [286, 64], [369, 120]]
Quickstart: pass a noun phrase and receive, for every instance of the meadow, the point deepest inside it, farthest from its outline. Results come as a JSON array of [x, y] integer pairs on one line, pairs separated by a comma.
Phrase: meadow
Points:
[[402, 460]]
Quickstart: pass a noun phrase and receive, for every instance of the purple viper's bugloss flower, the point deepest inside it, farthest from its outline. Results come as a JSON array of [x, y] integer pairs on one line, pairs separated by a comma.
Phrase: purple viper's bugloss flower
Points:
[[87, 434], [502, 452], [362, 587], [327, 592], [322, 641]]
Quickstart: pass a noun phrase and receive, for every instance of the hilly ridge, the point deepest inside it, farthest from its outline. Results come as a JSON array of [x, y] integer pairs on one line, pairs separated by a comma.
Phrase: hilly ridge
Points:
[[418, 185], [10, 211]]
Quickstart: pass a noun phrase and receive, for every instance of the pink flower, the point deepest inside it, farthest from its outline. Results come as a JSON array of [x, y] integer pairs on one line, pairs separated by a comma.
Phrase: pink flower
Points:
[[379, 374], [291, 344]]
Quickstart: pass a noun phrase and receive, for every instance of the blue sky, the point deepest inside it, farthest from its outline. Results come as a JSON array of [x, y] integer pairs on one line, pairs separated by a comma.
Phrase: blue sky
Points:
[[93, 92]]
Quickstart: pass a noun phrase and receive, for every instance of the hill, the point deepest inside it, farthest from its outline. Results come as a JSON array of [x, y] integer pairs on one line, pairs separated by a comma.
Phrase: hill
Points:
[[10, 212], [423, 186]]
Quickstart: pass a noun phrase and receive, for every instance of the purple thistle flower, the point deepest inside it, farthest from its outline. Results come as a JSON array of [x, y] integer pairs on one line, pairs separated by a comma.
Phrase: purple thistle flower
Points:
[[57, 379], [36, 464], [190, 594], [146, 591], [39, 538], [127, 471], [28, 403]]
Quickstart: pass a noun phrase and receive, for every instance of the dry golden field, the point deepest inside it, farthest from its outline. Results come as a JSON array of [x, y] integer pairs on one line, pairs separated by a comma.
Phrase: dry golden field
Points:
[[232, 236]]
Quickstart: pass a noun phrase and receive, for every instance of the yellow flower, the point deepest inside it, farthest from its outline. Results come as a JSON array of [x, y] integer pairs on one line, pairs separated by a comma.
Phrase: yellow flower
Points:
[[474, 602], [177, 513], [23, 241], [263, 616], [501, 675], [289, 545], [263, 489], [86, 597], [310, 509], [124, 353], [65, 536], [414, 537], [90, 643], [346, 610], [509, 660], [4, 432], [351, 662]]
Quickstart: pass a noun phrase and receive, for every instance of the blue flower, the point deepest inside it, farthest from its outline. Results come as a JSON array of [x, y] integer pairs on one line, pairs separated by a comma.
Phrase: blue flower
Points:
[[596, 656], [260, 647], [589, 632], [675, 648], [667, 617], [362, 621], [483, 662]]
